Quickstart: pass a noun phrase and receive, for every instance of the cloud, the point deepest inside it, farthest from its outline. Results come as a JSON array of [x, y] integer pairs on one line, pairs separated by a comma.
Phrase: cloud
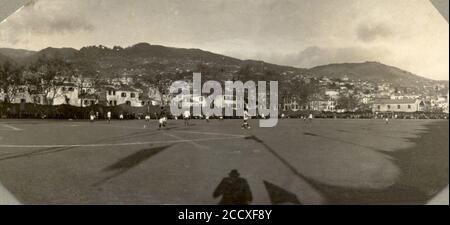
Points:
[[373, 32], [279, 31], [43, 18]]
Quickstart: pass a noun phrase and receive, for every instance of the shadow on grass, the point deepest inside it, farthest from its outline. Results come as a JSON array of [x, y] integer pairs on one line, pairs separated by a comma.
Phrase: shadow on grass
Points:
[[129, 162], [62, 149], [278, 195], [424, 170], [339, 140], [36, 153]]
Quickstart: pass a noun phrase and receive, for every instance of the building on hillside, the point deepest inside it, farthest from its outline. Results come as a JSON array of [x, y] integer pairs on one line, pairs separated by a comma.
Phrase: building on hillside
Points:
[[148, 101], [322, 104], [398, 105], [21, 94], [2, 95], [154, 96], [124, 80], [90, 100], [291, 104], [405, 96], [440, 103], [123, 95], [365, 98], [65, 94], [446, 104], [334, 94]]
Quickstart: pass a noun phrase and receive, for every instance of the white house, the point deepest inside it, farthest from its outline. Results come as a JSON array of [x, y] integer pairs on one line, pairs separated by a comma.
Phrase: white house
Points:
[[325, 105], [123, 95], [23, 94], [66, 93], [332, 94]]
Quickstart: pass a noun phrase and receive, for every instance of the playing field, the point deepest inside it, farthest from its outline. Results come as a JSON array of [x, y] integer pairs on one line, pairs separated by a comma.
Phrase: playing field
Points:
[[323, 162]]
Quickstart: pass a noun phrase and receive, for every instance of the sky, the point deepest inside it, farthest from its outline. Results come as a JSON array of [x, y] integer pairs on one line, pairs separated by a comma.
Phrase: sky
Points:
[[409, 34]]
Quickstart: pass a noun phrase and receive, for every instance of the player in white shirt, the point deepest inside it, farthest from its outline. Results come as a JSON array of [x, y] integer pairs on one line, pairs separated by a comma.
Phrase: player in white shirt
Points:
[[147, 120], [245, 125], [186, 117], [91, 116], [108, 116]]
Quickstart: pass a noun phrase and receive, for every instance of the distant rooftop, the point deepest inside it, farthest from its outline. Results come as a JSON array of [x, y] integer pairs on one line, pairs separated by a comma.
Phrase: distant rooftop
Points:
[[394, 101]]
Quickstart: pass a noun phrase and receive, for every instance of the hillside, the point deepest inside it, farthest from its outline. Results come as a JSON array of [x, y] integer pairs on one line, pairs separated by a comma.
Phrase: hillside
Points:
[[144, 59], [64, 53], [16, 54], [369, 71], [4, 59]]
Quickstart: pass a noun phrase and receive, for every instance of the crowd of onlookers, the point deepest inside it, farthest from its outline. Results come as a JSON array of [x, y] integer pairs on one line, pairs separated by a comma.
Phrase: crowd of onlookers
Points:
[[371, 115], [70, 112]]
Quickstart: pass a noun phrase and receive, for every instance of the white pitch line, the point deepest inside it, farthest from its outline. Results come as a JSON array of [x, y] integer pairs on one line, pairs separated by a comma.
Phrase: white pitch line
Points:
[[190, 142], [180, 131], [11, 127], [118, 144], [140, 128], [100, 125], [209, 133], [126, 127]]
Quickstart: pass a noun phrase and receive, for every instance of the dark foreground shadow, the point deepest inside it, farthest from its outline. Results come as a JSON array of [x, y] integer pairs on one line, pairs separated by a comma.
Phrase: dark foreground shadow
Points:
[[47, 151], [424, 167], [33, 153], [234, 190], [129, 162], [279, 195]]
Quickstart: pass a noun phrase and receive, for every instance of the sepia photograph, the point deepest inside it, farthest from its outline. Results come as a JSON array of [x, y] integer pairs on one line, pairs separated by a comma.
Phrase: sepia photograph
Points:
[[224, 102]]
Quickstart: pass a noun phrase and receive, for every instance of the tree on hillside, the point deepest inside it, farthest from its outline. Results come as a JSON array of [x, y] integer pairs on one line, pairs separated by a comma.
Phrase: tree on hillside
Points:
[[48, 75], [301, 90], [158, 81], [347, 102], [10, 80], [243, 74], [84, 79]]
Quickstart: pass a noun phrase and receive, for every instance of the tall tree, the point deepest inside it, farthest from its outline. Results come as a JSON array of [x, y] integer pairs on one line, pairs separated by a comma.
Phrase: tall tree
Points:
[[85, 79], [301, 90], [48, 75], [11, 78], [347, 102], [158, 81]]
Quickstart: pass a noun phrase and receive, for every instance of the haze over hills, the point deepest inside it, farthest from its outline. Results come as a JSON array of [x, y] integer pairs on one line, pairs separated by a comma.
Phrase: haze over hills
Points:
[[4, 58], [16, 54], [144, 58]]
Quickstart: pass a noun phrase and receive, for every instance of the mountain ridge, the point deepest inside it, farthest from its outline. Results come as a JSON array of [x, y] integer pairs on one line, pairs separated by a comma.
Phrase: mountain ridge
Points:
[[144, 57]]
